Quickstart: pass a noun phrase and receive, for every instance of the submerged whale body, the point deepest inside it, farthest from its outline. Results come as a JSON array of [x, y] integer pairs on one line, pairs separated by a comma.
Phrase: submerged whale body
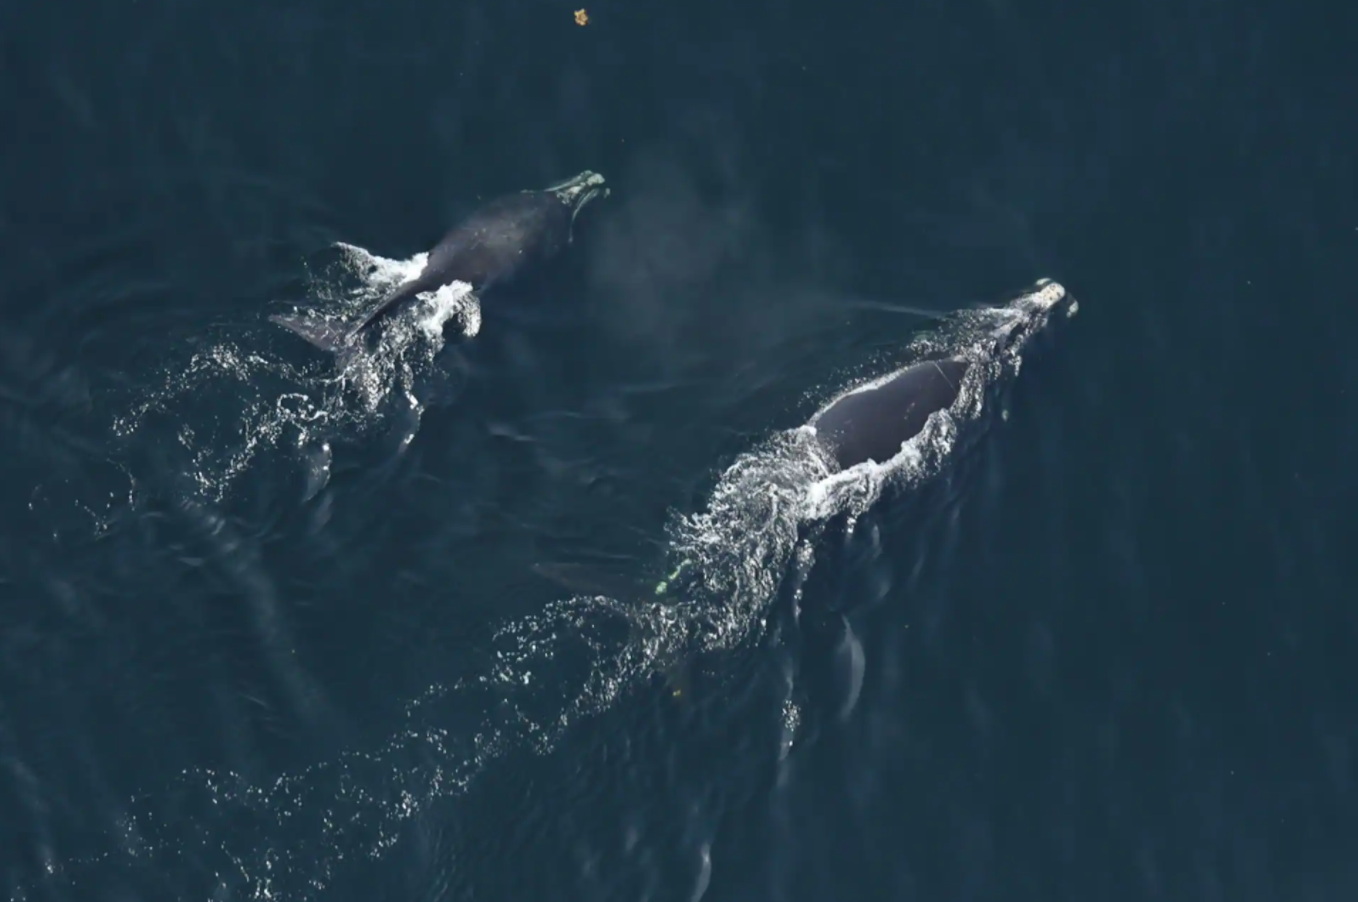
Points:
[[496, 243], [873, 422]]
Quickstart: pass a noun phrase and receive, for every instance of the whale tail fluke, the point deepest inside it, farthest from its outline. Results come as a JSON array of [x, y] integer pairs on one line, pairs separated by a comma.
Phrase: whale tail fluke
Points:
[[338, 337], [325, 334]]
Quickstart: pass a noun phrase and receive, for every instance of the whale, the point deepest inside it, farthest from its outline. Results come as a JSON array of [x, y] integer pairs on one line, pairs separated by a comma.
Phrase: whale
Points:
[[499, 242], [867, 424], [873, 422]]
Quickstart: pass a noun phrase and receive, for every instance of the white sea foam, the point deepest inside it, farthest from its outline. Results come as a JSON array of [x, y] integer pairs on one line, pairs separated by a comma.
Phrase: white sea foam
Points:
[[232, 402]]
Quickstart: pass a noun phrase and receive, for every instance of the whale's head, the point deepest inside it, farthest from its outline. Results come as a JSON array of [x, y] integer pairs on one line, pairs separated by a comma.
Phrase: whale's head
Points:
[[1031, 313], [577, 191]]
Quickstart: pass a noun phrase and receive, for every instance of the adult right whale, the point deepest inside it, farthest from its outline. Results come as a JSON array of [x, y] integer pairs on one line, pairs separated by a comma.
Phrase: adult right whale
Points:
[[870, 423], [496, 243], [723, 566], [873, 422]]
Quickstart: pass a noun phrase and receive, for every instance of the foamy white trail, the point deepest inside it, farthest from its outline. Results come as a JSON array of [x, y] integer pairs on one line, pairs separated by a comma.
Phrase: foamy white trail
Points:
[[231, 403], [759, 526]]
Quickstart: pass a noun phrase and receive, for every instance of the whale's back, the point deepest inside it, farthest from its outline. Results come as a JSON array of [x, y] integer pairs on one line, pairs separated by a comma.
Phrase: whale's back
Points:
[[500, 239], [873, 423]]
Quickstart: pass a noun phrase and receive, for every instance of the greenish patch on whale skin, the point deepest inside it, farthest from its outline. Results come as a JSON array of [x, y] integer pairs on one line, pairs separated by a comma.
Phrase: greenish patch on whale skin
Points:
[[577, 191]]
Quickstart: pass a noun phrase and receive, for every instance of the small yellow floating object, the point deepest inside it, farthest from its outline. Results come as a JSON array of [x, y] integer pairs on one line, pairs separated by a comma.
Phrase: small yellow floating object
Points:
[[581, 17]]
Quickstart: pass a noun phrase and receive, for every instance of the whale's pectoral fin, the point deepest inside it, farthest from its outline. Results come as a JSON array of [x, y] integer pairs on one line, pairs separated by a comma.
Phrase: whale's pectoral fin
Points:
[[324, 334]]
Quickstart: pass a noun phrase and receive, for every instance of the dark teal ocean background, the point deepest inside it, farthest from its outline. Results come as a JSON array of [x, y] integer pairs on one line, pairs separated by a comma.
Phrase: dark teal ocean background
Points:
[[1108, 656]]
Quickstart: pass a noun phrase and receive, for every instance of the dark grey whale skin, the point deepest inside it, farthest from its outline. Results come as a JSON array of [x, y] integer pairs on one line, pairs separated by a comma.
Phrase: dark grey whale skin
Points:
[[499, 241], [872, 424]]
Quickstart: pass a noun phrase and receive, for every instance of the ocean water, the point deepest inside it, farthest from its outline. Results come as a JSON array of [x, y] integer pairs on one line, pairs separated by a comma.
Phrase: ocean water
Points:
[[274, 626]]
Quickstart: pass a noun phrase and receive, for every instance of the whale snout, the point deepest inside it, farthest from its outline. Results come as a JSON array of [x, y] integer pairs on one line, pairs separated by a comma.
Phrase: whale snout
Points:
[[1030, 313], [1045, 296], [579, 190], [1045, 300]]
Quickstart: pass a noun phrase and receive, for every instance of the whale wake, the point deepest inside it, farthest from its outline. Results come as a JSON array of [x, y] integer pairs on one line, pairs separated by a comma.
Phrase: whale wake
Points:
[[233, 402], [756, 536]]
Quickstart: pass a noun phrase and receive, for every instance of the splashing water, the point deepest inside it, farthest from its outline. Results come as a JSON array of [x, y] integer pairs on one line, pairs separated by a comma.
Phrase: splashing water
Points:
[[761, 523], [231, 404]]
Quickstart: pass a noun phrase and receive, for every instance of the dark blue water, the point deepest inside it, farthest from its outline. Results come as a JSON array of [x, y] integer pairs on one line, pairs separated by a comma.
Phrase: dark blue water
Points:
[[1106, 652]]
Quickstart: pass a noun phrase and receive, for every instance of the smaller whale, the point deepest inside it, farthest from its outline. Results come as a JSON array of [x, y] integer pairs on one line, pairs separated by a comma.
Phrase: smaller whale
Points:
[[501, 240], [873, 422]]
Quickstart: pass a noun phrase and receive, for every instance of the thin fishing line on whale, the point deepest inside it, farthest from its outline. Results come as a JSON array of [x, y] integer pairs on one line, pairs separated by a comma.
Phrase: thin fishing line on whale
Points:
[[230, 403]]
